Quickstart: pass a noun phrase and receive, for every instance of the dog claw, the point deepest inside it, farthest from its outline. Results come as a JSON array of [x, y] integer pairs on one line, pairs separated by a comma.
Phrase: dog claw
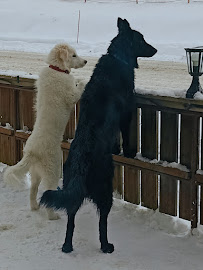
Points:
[[67, 248], [109, 248]]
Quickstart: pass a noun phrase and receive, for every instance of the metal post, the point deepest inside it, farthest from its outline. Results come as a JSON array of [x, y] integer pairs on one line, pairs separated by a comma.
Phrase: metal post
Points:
[[78, 26], [194, 87]]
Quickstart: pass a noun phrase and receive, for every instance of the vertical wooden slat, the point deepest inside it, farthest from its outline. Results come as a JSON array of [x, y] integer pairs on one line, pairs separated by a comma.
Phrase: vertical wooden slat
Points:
[[132, 175], [118, 179], [19, 150], [5, 105], [65, 155], [26, 112], [185, 159], [7, 115], [149, 190], [188, 157], [13, 108], [149, 196], [194, 167], [77, 111], [148, 133], [201, 205], [133, 133], [169, 145], [185, 200], [7, 150], [70, 128], [201, 191], [131, 185]]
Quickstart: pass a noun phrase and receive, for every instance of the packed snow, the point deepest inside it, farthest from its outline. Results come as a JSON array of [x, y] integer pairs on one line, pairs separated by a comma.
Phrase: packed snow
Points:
[[144, 239], [163, 78], [163, 163]]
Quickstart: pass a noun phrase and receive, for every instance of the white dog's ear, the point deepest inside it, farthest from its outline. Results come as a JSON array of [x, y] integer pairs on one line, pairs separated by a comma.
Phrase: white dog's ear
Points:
[[63, 54]]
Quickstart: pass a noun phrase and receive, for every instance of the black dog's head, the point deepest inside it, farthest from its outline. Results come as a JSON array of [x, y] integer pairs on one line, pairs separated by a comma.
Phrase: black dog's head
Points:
[[129, 44]]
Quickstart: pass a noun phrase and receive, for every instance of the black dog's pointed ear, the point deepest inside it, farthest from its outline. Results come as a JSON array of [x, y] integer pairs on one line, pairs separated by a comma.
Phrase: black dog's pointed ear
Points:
[[123, 25]]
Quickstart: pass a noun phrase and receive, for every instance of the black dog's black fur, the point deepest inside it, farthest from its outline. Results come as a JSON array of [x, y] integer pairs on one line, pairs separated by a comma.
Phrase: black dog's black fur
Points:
[[105, 110]]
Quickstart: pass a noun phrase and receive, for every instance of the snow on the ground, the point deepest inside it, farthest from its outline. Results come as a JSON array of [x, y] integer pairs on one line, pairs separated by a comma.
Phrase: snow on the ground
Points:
[[35, 26], [163, 78], [144, 239]]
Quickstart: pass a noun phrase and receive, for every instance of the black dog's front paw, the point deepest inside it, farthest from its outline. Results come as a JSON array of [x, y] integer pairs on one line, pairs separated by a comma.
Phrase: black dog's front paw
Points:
[[67, 248], [116, 149], [109, 248], [129, 153]]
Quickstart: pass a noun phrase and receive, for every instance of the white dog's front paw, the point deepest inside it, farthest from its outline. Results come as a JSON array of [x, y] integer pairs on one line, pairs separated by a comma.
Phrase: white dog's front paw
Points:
[[81, 85]]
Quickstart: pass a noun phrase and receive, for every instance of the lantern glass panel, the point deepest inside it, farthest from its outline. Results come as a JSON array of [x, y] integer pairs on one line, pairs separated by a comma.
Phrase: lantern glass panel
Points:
[[188, 54], [195, 61]]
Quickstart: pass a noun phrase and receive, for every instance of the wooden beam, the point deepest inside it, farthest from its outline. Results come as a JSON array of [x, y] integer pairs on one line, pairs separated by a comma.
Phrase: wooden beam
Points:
[[152, 167], [176, 104], [22, 135], [17, 81], [6, 131]]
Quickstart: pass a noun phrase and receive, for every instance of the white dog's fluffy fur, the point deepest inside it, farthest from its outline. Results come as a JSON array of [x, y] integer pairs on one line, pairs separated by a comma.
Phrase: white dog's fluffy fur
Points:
[[56, 95]]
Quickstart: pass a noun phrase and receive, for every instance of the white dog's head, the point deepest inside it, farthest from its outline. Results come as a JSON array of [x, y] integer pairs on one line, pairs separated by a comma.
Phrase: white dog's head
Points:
[[65, 57]]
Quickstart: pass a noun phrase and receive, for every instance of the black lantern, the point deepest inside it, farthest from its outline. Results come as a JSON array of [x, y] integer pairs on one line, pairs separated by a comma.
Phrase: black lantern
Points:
[[195, 69]]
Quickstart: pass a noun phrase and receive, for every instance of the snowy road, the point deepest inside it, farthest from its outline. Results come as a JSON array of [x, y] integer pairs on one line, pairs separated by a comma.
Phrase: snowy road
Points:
[[161, 78]]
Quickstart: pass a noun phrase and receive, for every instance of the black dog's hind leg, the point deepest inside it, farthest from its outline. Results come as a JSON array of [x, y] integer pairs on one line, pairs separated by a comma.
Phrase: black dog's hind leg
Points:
[[106, 247], [104, 210], [68, 245]]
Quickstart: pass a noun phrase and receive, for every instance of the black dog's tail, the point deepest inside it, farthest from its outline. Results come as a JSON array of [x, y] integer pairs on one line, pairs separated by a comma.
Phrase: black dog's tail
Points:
[[68, 199]]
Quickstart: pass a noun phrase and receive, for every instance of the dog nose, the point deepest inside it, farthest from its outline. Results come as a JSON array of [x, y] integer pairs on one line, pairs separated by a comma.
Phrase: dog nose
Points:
[[85, 61], [155, 50]]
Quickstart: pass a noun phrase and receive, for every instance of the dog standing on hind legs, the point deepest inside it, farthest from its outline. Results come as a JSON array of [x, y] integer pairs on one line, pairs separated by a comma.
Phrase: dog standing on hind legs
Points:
[[106, 107], [57, 94]]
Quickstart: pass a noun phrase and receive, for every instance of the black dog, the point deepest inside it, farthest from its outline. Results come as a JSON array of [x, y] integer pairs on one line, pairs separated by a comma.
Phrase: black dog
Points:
[[105, 110]]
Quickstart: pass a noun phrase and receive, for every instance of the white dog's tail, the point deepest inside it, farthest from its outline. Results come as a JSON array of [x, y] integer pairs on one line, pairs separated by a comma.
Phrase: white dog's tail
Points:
[[15, 175]]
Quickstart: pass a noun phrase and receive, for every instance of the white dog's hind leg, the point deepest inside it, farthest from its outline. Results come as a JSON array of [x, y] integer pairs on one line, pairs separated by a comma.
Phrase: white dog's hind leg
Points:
[[35, 181]]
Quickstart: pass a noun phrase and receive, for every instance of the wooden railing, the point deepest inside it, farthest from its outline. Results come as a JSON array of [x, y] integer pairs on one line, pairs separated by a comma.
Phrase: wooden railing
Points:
[[165, 132]]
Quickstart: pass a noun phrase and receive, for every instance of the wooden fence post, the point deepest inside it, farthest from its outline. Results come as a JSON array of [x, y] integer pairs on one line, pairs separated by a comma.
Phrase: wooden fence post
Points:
[[188, 157], [149, 189], [169, 149], [132, 175]]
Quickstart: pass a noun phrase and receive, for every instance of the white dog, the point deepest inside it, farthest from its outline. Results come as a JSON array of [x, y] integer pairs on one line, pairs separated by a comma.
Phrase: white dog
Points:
[[56, 95]]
